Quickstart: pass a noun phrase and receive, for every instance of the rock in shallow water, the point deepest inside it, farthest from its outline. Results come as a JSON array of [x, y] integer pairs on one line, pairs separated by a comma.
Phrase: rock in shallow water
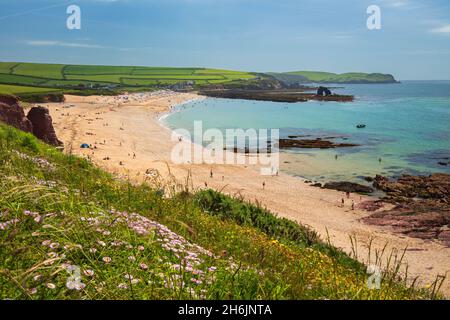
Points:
[[348, 187], [312, 143]]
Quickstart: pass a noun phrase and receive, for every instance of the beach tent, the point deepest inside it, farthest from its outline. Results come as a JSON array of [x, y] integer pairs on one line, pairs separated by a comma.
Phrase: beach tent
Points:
[[84, 146]]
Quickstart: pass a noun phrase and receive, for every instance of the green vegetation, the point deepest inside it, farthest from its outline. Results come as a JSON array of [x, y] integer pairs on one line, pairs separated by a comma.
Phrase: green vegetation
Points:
[[59, 213], [20, 90], [51, 71], [327, 77], [6, 67], [78, 79]]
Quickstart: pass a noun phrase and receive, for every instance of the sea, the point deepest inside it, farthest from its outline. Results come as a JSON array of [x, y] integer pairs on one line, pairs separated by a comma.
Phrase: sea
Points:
[[407, 129]]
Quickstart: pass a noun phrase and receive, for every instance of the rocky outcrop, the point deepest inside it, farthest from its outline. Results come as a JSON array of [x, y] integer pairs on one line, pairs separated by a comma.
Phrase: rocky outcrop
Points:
[[279, 95], [312, 143], [12, 114], [323, 91], [424, 219], [422, 206], [348, 187], [43, 126], [435, 186]]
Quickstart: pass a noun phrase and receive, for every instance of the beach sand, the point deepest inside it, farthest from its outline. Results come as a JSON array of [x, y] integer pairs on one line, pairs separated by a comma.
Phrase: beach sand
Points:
[[127, 132]]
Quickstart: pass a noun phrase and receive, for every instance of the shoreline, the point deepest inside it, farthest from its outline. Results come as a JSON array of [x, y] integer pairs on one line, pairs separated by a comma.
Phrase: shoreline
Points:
[[284, 195]]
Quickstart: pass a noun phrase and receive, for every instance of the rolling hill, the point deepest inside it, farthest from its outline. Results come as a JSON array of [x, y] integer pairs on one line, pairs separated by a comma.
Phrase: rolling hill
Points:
[[33, 78], [327, 77]]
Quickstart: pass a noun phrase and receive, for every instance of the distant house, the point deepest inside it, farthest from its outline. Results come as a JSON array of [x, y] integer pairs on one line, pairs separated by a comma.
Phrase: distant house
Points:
[[186, 85]]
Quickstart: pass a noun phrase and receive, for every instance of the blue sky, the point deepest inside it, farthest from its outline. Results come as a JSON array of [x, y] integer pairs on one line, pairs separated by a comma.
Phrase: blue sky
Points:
[[253, 35]]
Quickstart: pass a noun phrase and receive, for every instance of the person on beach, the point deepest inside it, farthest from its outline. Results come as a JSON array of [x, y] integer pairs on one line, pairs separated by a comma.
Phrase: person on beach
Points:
[[206, 184], [211, 175], [264, 185], [347, 193], [335, 157], [353, 205], [342, 202]]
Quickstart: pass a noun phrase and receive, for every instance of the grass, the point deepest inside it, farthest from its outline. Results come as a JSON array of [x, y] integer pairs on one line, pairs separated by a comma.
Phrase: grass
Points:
[[116, 79], [6, 67], [53, 71], [21, 80], [327, 77], [20, 90], [60, 216]]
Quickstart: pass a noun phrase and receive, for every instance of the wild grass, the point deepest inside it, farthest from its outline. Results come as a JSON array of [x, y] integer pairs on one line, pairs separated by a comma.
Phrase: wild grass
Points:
[[60, 216]]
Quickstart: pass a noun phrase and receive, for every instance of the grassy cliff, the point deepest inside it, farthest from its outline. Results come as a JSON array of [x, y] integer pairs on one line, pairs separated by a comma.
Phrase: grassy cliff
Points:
[[69, 230], [327, 77]]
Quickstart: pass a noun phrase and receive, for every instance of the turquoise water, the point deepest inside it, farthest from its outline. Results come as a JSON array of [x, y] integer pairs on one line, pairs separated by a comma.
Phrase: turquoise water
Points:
[[408, 127]]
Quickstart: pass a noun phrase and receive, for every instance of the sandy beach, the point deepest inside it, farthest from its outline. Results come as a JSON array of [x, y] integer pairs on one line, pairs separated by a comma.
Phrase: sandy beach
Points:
[[127, 138]]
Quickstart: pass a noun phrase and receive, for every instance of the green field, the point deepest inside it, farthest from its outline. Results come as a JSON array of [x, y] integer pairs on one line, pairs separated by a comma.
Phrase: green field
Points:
[[151, 241], [327, 77], [85, 78], [17, 90]]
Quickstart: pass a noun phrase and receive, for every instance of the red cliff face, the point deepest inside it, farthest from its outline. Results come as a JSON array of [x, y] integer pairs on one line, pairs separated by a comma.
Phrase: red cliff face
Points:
[[38, 121], [12, 113], [43, 125]]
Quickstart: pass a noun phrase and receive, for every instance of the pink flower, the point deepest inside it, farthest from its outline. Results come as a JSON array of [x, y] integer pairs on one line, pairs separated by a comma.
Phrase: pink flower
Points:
[[52, 255], [88, 272], [106, 259], [54, 245], [50, 286], [143, 266], [102, 243], [122, 286], [46, 242], [128, 277], [32, 291]]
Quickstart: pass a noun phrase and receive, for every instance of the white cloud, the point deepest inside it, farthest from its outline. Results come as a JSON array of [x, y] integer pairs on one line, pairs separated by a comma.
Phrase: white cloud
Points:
[[396, 3], [404, 4], [54, 43], [442, 30]]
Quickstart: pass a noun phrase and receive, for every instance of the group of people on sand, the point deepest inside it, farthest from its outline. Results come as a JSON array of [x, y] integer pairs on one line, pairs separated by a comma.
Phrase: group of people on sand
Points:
[[139, 97]]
